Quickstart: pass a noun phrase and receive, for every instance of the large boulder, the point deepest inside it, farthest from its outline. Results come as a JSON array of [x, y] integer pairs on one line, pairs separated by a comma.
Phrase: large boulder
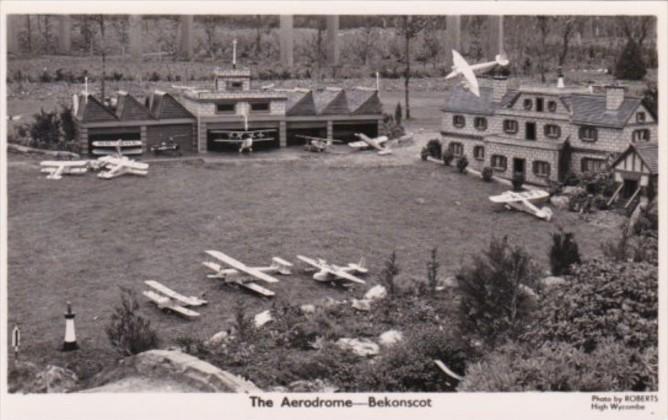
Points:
[[51, 380], [560, 202], [363, 305], [376, 293], [218, 339], [362, 347], [390, 338]]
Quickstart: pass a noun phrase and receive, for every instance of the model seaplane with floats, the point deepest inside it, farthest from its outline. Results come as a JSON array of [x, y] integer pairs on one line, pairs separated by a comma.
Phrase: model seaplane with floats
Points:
[[167, 299], [318, 144], [333, 273], [461, 67], [237, 269], [366, 142], [523, 201]]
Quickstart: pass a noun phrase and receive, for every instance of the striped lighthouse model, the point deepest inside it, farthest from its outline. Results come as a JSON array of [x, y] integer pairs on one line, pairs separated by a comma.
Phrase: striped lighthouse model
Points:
[[70, 342]]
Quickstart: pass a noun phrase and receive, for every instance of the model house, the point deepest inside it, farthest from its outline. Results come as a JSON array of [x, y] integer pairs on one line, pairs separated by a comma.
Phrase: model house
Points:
[[543, 133]]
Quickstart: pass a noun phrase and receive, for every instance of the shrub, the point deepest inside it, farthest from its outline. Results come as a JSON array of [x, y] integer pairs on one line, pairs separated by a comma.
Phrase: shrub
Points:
[[606, 299], [432, 269], [45, 77], [45, 130], [388, 274], [563, 367], [448, 156], [630, 64], [67, 123], [128, 332], [462, 163], [398, 114], [563, 253], [434, 148], [493, 304], [244, 324], [487, 174]]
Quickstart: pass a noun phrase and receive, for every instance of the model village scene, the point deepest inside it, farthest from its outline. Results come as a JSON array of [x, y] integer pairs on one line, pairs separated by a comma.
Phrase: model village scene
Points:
[[332, 203]]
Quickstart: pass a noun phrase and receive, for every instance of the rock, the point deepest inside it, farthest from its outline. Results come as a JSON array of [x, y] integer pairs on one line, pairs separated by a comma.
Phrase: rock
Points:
[[551, 281], [446, 283], [53, 380], [560, 201], [375, 293], [218, 339], [570, 191], [316, 385], [362, 304], [529, 293], [390, 338], [308, 309], [262, 318], [362, 347]]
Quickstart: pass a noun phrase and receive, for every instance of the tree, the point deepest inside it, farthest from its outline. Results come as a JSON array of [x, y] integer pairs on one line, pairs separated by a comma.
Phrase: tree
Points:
[[543, 27], [409, 27], [103, 52], [630, 65], [568, 27]]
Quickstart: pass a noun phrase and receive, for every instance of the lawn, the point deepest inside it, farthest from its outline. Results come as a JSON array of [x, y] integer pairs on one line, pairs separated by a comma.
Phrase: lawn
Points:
[[81, 238]]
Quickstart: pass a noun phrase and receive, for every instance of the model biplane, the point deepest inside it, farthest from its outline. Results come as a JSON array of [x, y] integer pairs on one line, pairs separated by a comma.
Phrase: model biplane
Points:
[[167, 299], [245, 138], [366, 142], [334, 273], [117, 147], [317, 144], [234, 274], [522, 201], [461, 67], [56, 168], [114, 166]]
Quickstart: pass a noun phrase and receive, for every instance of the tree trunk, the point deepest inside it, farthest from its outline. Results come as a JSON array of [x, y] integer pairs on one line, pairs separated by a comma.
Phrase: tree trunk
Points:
[[407, 75], [28, 27], [258, 34], [104, 58]]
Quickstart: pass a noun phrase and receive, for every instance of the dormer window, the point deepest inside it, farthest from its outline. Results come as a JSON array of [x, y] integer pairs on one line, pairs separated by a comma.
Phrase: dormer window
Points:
[[528, 104], [640, 117], [480, 123], [225, 108], [459, 121], [259, 107], [552, 106]]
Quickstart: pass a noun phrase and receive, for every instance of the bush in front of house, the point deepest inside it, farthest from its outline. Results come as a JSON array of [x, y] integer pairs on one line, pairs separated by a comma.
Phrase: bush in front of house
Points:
[[434, 148], [128, 332], [563, 253], [487, 174], [462, 163], [448, 156]]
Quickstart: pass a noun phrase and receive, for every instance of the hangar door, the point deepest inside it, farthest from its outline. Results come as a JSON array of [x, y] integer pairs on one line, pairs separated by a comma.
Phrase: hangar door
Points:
[[346, 130], [100, 141]]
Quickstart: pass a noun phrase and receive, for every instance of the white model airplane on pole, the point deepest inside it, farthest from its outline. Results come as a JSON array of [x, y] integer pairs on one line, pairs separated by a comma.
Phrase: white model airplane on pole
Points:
[[233, 274], [317, 144], [461, 67], [117, 147], [522, 201], [115, 167], [56, 168], [378, 143], [335, 273]]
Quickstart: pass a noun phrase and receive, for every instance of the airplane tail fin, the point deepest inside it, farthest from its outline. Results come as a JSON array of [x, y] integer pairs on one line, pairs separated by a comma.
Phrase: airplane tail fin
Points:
[[501, 59]]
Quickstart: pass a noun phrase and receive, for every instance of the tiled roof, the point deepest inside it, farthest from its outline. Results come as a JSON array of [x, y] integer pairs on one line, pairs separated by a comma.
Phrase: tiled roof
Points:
[[591, 110], [649, 153], [165, 106], [462, 100], [300, 103], [91, 110], [129, 109]]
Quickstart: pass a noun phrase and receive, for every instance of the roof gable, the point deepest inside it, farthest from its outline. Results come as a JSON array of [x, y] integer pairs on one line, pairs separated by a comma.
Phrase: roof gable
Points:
[[647, 152], [328, 102], [300, 103], [91, 110], [164, 106], [364, 102], [129, 109]]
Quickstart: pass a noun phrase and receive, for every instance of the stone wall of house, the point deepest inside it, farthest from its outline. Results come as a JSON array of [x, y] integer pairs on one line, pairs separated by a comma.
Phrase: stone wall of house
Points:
[[530, 155], [469, 128]]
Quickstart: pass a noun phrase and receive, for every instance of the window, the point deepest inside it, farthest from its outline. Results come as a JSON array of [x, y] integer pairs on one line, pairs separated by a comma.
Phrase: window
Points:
[[510, 126], [588, 134], [480, 123], [225, 108], [640, 117], [539, 104], [541, 169], [528, 104], [499, 162], [640, 135], [479, 152], [530, 132], [259, 107], [552, 106], [456, 148], [552, 131], [459, 121], [232, 85], [592, 165]]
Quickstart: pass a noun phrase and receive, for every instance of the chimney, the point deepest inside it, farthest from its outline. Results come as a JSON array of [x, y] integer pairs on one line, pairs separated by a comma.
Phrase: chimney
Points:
[[499, 88], [614, 96], [560, 79]]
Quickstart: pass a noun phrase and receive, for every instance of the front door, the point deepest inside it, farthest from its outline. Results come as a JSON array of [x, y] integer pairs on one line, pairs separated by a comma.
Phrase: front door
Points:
[[630, 187], [519, 166]]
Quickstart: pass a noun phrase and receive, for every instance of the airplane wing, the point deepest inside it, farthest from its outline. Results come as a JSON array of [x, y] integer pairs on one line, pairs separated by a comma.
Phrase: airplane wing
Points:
[[56, 174], [126, 163], [64, 163], [483, 66], [241, 267], [463, 68], [514, 197], [186, 300], [312, 262], [358, 144], [347, 276]]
